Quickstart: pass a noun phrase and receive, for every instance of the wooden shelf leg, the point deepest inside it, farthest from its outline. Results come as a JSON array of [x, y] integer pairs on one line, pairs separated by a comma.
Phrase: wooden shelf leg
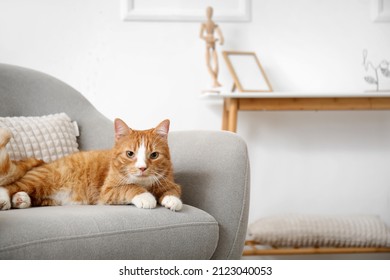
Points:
[[225, 114], [232, 119]]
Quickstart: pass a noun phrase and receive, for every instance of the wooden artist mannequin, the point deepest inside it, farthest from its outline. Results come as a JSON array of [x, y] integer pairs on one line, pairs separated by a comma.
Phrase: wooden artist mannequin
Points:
[[207, 33]]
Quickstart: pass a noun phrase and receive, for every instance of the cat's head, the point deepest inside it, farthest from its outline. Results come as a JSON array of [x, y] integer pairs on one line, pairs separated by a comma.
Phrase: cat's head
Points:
[[142, 156]]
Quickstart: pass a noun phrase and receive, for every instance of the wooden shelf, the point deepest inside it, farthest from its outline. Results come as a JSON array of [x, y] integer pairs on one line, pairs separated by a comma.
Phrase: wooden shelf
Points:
[[254, 249], [296, 94], [296, 101]]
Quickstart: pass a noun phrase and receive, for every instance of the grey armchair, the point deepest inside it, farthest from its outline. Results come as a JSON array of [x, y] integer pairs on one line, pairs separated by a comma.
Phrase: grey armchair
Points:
[[211, 166]]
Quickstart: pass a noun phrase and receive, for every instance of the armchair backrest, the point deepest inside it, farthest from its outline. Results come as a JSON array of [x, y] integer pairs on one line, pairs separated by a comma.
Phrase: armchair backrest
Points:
[[25, 92]]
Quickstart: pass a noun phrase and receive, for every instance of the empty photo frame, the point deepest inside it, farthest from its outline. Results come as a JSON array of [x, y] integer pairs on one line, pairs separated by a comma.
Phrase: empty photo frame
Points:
[[246, 71]]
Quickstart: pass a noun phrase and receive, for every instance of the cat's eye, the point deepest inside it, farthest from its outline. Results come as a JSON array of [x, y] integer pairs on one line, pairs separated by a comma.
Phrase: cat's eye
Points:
[[130, 154], [154, 155]]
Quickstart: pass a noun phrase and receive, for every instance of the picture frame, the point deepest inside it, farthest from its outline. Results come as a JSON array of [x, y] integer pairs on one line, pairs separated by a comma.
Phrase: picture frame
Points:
[[247, 73], [188, 10], [380, 10]]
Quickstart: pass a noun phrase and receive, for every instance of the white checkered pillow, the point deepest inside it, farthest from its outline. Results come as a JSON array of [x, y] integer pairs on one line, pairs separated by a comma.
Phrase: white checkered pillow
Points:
[[46, 137]]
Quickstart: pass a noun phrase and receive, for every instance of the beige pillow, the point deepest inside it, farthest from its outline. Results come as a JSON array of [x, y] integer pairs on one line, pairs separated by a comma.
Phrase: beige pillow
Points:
[[46, 137], [321, 231]]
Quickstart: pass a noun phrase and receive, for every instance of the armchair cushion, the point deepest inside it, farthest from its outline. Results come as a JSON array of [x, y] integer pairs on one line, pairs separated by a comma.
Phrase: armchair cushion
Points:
[[107, 232]]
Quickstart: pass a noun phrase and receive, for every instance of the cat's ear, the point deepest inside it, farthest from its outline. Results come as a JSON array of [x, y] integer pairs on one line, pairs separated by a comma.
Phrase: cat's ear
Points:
[[121, 129], [162, 129]]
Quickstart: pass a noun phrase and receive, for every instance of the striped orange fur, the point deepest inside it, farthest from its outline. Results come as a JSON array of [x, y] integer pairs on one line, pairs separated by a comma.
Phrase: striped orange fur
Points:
[[11, 171], [137, 170]]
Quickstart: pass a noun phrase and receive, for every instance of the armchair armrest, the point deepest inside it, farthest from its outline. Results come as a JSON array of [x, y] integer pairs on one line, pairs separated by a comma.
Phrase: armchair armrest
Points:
[[213, 169]]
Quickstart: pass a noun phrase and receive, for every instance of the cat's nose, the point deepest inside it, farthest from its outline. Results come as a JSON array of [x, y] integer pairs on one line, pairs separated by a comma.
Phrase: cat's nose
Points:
[[142, 169]]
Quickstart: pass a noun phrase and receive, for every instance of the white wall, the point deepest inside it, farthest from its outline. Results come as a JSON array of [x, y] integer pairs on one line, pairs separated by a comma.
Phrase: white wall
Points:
[[143, 72]]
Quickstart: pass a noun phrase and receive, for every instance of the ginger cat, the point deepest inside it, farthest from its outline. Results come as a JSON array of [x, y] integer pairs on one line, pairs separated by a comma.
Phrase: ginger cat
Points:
[[137, 170]]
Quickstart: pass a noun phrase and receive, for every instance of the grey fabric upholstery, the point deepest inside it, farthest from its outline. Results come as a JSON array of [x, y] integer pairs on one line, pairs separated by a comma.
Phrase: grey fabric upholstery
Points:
[[211, 166], [213, 169], [107, 232]]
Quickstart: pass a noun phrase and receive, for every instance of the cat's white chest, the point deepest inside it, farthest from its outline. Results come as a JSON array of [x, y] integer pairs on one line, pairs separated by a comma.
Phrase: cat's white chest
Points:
[[145, 182]]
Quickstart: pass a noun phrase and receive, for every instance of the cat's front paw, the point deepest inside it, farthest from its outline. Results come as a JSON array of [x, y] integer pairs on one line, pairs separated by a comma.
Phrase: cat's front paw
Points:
[[5, 202], [144, 200], [172, 202], [21, 200]]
